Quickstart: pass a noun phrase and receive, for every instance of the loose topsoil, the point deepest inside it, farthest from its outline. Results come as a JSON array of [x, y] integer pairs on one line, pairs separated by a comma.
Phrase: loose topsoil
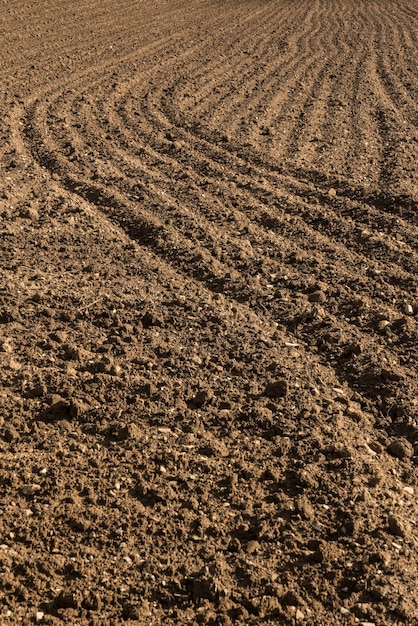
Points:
[[208, 312]]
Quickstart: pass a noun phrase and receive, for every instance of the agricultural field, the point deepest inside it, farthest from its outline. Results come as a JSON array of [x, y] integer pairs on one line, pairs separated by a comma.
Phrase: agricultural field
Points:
[[208, 312]]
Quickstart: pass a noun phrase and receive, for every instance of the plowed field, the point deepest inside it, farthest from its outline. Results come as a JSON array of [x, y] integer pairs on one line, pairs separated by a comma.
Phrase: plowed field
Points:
[[208, 312]]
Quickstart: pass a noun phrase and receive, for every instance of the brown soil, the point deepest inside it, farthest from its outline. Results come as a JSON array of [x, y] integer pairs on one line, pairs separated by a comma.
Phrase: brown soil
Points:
[[209, 306]]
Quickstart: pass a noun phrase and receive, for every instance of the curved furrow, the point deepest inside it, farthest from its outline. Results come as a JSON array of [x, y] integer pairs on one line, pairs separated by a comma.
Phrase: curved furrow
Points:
[[326, 224], [218, 313], [148, 226], [166, 144], [191, 259], [148, 229], [276, 82], [136, 171], [323, 138], [399, 204], [398, 71], [201, 162], [218, 77], [134, 168], [288, 130]]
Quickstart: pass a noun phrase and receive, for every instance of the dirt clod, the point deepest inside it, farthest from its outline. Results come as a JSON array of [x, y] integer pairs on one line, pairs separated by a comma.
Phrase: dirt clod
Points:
[[401, 448], [277, 389], [398, 526]]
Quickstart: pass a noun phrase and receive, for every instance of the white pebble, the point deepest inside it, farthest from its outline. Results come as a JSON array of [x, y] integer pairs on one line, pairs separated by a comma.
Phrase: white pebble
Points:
[[299, 615]]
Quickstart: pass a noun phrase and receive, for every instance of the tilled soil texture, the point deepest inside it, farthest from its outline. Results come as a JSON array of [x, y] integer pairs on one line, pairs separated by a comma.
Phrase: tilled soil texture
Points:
[[209, 312]]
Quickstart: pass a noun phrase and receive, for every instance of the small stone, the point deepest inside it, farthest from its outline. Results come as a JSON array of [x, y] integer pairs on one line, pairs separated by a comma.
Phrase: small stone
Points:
[[345, 612], [116, 370], [370, 451], [398, 527], [30, 490], [253, 546], [39, 616], [299, 615], [375, 446], [30, 213], [304, 508], [409, 490], [165, 430], [401, 449], [332, 192], [355, 412], [408, 309]]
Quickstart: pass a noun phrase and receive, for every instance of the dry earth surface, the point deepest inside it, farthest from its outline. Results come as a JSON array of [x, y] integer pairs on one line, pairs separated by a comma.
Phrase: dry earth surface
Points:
[[208, 307]]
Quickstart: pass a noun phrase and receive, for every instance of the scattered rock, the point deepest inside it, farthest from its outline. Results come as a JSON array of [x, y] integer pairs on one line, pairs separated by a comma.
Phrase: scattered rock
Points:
[[30, 213], [401, 449], [116, 370], [252, 546], [305, 508], [30, 489], [398, 527]]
